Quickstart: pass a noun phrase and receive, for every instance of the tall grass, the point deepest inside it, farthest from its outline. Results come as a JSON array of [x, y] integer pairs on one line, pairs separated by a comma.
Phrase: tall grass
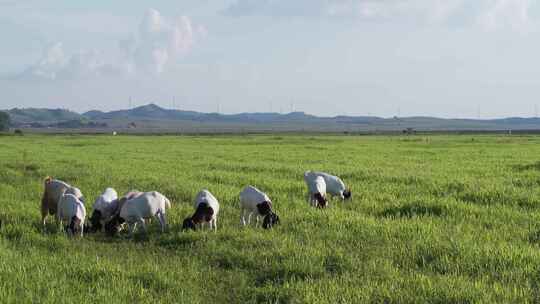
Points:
[[442, 219]]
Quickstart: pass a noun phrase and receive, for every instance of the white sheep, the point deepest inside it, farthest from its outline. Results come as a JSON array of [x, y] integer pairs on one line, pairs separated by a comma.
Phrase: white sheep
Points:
[[53, 191], [135, 210], [316, 189], [334, 185], [105, 207], [254, 201], [71, 210], [206, 211]]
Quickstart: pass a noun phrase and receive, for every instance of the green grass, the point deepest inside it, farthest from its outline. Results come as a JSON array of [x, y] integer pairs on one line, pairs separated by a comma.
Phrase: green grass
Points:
[[439, 219]]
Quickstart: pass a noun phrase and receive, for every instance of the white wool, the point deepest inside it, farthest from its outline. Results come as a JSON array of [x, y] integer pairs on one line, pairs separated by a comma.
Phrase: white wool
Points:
[[145, 206], [107, 203], [70, 206], [334, 185], [315, 183], [250, 197]]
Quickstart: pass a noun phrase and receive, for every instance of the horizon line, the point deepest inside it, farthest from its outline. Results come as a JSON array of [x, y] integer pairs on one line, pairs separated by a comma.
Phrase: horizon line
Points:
[[278, 113]]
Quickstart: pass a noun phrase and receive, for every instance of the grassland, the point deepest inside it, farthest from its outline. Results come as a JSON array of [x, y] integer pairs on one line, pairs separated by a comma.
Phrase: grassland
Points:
[[442, 219]]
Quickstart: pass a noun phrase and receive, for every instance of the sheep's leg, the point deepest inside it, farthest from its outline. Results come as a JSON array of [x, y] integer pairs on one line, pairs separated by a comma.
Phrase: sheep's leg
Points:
[[43, 220], [44, 209], [133, 224], [256, 220], [249, 218], [131, 228], [142, 224], [243, 217], [162, 221], [58, 221], [211, 224], [215, 224], [82, 228]]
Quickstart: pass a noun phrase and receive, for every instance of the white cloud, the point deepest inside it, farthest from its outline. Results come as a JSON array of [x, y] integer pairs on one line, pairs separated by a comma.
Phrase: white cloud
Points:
[[161, 41], [158, 42], [489, 14], [512, 14], [56, 65]]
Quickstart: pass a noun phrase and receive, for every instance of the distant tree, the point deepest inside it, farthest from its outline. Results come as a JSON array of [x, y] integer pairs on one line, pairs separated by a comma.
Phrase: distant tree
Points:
[[4, 121]]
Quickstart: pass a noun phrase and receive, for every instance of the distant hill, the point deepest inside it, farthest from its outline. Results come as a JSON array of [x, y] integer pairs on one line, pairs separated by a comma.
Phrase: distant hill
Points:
[[55, 118], [157, 118], [35, 115], [155, 112]]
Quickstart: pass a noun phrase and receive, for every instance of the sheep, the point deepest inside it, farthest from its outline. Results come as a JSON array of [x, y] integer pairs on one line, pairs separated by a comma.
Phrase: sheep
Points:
[[54, 189], [116, 206], [316, 190], [71, 210], [334, 185], [126, 197], [136, 209], [105, 207], [254, 201], [206, 211]]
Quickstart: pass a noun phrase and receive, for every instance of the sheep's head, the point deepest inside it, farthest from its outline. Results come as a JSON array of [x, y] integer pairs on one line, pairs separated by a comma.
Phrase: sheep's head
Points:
[[113, 226], [74, 226], [203, 213], [270, 220], [95, 221], [188, 224], [347, 194]]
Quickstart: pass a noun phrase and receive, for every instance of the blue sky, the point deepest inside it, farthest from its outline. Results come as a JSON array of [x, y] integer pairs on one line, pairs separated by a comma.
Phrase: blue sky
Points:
[[447, 58]]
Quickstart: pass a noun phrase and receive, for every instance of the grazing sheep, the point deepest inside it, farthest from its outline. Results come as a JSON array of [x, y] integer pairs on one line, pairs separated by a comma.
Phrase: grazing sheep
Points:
[[334, 185], [316, 190], [206, 211], [54, 189], [71, 210], [135, 210], [254, 201], [105, 207]]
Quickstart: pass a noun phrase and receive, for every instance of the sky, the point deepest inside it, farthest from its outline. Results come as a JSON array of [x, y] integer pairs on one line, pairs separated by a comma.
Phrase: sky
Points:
[[445, 58]]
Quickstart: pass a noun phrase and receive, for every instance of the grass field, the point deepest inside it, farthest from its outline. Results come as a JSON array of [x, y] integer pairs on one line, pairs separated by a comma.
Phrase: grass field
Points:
[[441, 219]]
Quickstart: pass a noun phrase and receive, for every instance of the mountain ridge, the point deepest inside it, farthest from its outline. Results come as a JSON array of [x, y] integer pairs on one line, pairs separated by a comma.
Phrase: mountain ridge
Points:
[[154, 113]]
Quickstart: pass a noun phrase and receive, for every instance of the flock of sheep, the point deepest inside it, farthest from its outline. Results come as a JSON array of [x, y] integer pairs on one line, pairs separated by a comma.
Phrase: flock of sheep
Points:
[[110, 212]]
